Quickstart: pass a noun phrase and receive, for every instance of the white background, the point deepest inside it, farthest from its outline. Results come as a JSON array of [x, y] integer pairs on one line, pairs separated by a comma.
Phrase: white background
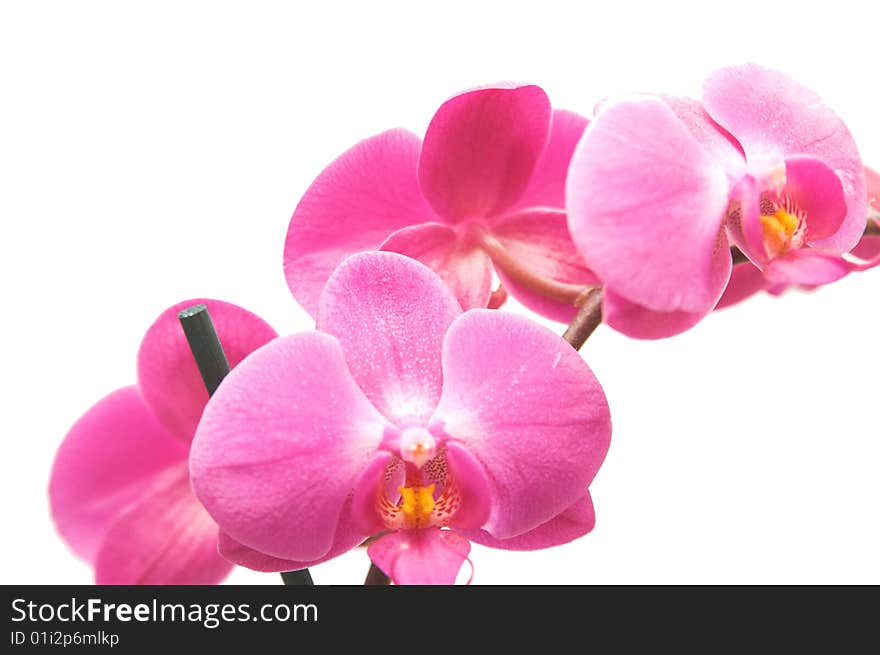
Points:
[[152, 152]]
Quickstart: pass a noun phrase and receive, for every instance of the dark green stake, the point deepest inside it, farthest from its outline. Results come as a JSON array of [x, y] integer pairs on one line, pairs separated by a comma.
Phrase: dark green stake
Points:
[[213, 365]]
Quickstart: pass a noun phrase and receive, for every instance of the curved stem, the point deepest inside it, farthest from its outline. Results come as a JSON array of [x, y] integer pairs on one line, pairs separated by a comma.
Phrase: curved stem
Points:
[[588, 318], [507, 264]]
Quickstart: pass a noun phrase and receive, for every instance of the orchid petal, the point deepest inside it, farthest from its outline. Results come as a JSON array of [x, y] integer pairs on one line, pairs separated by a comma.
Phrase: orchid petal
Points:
[[645, 207], [390, 313], [108, 460], [806, 267], [510, 388], [280, 444], [346, 538], [574, 522], [355, 204], [771, 115], [166, 538], [168, 376], [868, 249], [547, 183], [816, 191], [481, 148], [715, 139], [539, 241], [872, 183], [642, 323], [430, 556], [461, 264], [745, 281]]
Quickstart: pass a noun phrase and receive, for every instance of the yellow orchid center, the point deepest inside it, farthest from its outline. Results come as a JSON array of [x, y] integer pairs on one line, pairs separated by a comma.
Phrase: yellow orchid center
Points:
[[782, 224], [416, 505]]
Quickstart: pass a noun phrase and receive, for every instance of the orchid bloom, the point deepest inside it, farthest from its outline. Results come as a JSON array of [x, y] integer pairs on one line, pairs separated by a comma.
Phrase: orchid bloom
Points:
[[120, 492], [486, 186], [658, 188], [403, 417], [746, 279]]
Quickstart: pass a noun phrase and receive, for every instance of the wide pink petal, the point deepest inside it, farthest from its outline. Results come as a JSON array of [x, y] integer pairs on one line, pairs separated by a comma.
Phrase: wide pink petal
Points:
[[745, 281], [714, 138], [645, 207], [744, 227], [354, 204], [574, 522], [868, 248], [168, 376], [481, 148], [771, 115], [524, 403], [817, 191], [422, 557], [166, 539], [459, 262], [872, 183], [107, 461], [547, 183], [539, 241], [280, 445], [806, 267], [473, 485], [390, 313], [642, 323], [347, 537]]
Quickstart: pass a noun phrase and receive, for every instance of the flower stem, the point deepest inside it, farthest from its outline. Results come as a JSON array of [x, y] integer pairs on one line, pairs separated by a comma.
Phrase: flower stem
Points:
[[376, 578], [507, 264], [587, 319], [213, 366]]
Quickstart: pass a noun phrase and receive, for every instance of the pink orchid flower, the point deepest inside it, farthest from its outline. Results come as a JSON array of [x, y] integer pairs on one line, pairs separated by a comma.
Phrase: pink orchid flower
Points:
[[403, 417], [486, 186], [658, 188], [120, 492], [746, 279]]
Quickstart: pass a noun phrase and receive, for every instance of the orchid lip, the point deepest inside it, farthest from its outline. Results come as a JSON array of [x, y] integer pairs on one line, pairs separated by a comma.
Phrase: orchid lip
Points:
[[412, 497]]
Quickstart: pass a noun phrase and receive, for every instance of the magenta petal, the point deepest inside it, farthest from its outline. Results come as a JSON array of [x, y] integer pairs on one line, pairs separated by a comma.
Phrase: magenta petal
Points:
[[524, 403], [167, 373], [390, 313], [574, 522], [430, 556], [364, 513], [868, 248], [745, 281], [539, 240], [744, 226], [166, 539], [771, 115], [872, 182], [481, 148], [473, 486], [714, 138], [547, 183], [642, 323], [347, 537], [816, 190], [806, 267], [280, 445], [460, 263], [355, 204], [645, 207], [107, 461]]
